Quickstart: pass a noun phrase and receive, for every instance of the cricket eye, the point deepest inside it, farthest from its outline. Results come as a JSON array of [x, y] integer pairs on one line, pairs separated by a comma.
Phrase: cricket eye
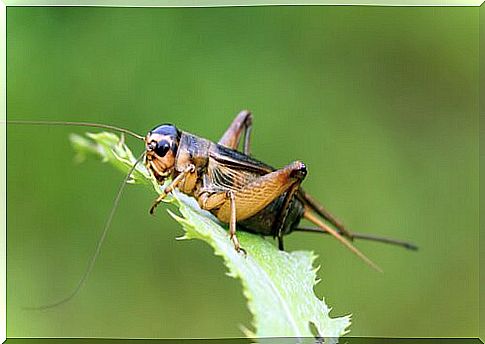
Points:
[[162, 148]]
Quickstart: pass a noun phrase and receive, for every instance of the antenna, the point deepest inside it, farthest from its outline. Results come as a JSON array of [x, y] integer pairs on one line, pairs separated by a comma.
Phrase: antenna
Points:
[[95, 255], [76, 124]]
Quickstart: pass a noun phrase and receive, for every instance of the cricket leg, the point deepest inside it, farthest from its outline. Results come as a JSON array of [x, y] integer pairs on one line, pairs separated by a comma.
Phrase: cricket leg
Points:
[[259, 193], [232, 136], [284, 213], [256, 195], [314, 205], [209, 201], [170, 187], [239, 204], [320, 210], [232, 224]]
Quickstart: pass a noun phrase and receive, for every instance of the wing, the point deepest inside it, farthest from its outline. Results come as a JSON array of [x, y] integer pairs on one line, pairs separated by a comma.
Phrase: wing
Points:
[[234, 159], [231, 170]]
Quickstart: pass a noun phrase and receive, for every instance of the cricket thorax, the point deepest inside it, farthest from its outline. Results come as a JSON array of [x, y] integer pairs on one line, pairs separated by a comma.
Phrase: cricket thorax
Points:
[[192, 150]]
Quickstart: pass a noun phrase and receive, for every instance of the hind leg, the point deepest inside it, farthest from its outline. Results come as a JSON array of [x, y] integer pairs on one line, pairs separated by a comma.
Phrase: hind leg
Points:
[[241, 124], [239, 204]]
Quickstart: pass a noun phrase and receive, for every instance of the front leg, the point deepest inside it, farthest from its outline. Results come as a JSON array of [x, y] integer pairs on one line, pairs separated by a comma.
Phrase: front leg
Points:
[[170, 187], [232, 136]]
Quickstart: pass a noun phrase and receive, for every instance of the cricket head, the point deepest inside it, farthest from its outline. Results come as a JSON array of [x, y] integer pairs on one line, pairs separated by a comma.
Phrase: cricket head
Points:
[[161, 149]]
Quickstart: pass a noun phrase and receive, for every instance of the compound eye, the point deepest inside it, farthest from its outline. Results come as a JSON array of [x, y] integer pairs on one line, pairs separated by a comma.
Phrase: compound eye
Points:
[[162, 148]]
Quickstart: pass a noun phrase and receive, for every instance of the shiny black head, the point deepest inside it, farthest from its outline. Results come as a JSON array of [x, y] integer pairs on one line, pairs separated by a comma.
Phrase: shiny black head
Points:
[[161, 149]]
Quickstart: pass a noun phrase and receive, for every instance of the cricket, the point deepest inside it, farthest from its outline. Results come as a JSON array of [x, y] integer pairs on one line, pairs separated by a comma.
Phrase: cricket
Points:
[[242, 192]]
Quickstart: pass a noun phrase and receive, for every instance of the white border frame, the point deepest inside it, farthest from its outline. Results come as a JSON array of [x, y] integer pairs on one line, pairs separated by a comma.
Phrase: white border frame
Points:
[[139, 3]]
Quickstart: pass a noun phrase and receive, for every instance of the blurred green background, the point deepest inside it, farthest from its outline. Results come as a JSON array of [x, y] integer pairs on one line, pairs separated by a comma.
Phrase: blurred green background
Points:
[[380, 103]]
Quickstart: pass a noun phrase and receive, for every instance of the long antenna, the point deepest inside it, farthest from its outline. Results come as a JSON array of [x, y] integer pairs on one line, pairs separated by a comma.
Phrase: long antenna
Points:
[[364, 236], [98, 245], [77, 124], [314, 219]]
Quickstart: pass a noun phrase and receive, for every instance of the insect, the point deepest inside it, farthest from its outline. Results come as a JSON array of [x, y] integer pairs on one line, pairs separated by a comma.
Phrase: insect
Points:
[[236, 188], [239, 190]]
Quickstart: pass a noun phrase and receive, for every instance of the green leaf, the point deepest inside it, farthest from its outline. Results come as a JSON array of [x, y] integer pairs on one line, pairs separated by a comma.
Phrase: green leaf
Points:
[[277, 285], [110, 148]]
